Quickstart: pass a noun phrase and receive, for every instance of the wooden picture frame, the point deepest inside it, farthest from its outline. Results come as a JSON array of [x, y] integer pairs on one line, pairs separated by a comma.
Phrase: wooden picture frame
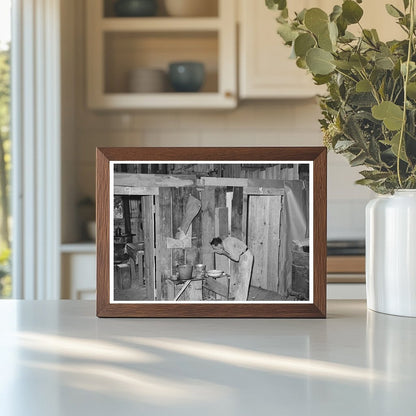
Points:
[[241, 174]]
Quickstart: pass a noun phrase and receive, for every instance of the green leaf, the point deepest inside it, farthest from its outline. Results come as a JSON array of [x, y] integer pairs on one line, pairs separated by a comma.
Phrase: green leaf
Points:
[[384, 62], [347, 37], [412, 67], [320, 61], [368, 36], [321, 79], [358, 61], [353, 131], [344, 65], [406, 4], [374, 174], [325, 42], [316, 20], [342, 25], [375, 35], [301, 15], [336, 12], [358, 160], [388, 112], [333, 32], [343, 145], [363, 86], [351, 11], [301, 63], [394, 145], [276, 4], [303, 43], [393, 11], [287, 33], [411, 90]]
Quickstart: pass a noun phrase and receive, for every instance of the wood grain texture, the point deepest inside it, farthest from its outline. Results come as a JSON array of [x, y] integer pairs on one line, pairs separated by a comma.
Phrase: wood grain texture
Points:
[[317, 309]]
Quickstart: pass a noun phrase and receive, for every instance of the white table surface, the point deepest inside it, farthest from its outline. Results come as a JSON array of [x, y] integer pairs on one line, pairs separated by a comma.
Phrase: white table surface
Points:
[[57, 358]]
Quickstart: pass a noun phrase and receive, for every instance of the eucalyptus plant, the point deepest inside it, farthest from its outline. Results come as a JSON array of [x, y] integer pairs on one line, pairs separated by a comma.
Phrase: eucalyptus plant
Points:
[[369, 111]]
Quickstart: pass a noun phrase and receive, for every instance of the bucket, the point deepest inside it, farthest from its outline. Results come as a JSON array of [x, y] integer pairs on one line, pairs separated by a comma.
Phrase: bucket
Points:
[[185, 271]]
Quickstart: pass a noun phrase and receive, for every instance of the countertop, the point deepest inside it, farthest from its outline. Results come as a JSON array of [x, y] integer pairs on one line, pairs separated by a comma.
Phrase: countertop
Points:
[[57, 358]]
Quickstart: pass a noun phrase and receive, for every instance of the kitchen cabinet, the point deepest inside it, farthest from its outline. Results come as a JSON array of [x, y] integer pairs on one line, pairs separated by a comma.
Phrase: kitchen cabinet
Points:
[[78, 263], [265, 70], [118, 45]]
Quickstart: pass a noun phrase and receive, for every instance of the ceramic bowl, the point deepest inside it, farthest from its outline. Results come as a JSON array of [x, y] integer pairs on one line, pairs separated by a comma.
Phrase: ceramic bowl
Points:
[[186, 76], [135, 8], [147, 80], [214, 273]]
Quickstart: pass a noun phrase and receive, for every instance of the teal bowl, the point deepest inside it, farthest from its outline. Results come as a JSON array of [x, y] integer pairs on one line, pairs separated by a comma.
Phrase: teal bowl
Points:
[[186, 76], [135, 8]]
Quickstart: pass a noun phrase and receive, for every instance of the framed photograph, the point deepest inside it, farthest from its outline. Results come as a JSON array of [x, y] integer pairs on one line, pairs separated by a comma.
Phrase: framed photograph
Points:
[[211, 232]]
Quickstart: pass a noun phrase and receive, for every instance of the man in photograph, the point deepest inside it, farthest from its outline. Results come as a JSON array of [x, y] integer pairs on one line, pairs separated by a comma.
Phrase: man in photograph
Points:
[[237, 251]]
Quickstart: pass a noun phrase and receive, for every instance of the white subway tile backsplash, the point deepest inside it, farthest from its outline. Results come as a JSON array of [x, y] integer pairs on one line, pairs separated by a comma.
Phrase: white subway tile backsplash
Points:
[[170, 138], [206, 119], [145, 120]]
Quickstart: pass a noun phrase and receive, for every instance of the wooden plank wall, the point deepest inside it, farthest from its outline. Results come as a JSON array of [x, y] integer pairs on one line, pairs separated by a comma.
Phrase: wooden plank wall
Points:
[[237, 225], [149, 246], [263, 235], [194, 254], [221, 227], [163, 230], [179, 200], [178, 207], [208, 225]]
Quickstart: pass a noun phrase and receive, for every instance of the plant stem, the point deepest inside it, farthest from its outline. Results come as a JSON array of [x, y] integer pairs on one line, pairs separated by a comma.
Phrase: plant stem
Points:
[[346, 75], [406, 80]]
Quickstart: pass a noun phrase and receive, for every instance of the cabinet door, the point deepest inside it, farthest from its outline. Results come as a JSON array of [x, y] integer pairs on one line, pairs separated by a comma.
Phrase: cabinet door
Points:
[[78, 276], [266, 71], [265, 68]]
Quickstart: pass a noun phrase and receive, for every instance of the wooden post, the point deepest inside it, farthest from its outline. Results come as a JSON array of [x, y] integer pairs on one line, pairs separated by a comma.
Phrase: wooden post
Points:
[[178, 195], [149, 246], [126, 215], [208, 226], [163, 230], [236, 222]]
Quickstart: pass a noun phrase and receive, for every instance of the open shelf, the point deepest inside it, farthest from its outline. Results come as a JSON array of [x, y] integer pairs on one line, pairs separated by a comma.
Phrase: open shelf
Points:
[[160, 24], [126, 51], [119, 45], [167, 100]]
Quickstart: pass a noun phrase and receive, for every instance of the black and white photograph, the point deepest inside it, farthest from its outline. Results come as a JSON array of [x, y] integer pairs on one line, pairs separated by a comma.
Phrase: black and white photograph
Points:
[[210, 232]]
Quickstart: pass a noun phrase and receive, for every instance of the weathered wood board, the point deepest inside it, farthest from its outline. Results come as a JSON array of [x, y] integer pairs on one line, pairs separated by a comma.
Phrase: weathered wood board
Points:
[[208, 225], [223, 182], [178, 203], [221, 226], [163, 230], [263, 239], [148, 180], [149, 244]]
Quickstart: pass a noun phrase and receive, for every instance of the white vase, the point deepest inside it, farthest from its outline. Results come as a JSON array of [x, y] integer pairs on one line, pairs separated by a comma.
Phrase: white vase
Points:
[[391, 253]]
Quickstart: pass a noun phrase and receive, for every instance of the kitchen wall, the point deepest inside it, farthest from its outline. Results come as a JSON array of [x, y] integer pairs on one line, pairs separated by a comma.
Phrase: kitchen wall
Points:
[[253, 123]]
